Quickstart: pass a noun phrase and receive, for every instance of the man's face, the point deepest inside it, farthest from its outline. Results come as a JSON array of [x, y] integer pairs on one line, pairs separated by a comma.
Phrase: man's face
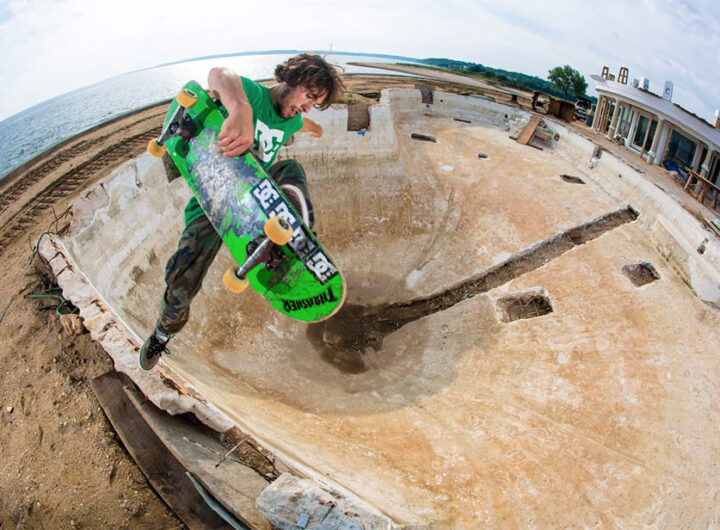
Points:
[[297, 100]]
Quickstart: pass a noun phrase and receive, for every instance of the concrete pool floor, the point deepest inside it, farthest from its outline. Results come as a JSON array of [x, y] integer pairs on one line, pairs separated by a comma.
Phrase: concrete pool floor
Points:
[[601, 411]]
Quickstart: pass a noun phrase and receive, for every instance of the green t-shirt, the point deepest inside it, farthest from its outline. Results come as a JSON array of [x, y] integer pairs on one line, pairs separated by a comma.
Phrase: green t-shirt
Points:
[[271, 133]]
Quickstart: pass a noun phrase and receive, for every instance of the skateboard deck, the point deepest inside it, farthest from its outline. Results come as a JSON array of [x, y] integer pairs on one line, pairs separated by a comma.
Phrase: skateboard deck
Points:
[[238, 196]]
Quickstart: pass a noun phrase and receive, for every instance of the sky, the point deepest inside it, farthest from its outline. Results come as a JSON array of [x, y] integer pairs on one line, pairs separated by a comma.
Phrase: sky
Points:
[[50, 47]]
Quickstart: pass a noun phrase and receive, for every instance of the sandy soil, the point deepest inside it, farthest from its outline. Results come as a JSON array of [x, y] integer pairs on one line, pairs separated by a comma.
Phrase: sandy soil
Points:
[[61, 465]]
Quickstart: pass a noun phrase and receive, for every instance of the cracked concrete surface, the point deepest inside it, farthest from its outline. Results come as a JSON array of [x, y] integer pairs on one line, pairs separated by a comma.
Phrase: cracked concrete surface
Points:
[[603, 411]]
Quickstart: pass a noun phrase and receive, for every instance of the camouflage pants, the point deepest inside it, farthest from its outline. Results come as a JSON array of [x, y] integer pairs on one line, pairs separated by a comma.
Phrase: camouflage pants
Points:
[[197, 248]]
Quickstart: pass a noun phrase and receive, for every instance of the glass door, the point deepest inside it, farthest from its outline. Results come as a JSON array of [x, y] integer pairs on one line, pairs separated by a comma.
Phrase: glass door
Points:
[[651, 135], [641, 131]]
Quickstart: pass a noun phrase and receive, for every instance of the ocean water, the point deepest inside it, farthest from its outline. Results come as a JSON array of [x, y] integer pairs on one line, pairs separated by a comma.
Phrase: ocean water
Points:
[[37, 129]]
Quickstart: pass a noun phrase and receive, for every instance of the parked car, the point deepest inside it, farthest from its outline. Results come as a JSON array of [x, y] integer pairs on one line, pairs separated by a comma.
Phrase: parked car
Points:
[[581, 107]]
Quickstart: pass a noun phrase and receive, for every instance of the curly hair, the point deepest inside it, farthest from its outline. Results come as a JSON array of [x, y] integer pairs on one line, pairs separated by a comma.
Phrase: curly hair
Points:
[[313, 73]]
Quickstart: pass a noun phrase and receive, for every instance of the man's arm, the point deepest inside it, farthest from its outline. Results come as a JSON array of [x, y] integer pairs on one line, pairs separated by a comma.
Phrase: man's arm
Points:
[[313, 128], [237, 134]]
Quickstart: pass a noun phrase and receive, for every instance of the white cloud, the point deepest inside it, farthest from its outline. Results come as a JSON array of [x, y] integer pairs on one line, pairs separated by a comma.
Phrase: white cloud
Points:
[[51, 47]]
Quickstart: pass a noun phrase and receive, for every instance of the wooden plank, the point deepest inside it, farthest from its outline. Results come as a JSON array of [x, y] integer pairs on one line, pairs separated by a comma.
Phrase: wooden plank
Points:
[[234, 485], [165, 474], [529, 130], [536, 146], [542, 135], [215, 505], [704, 184], [715, 227], [687, 182], [703, 190], [696, 214]]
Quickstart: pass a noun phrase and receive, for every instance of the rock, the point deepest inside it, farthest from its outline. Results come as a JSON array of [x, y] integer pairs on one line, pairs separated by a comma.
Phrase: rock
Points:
[[10, 409], [72, 324], [291, 503]]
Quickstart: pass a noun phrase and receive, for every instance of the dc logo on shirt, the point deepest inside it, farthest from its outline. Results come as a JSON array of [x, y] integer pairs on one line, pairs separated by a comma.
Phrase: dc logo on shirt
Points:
[[267, 140]]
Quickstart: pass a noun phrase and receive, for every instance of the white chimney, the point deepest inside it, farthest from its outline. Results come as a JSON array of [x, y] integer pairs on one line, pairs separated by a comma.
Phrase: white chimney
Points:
[[716, 123], [645, 83], [667, 91]]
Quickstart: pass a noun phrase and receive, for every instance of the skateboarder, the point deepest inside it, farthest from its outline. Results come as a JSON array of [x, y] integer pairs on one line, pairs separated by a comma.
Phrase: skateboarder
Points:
[[261, 119]]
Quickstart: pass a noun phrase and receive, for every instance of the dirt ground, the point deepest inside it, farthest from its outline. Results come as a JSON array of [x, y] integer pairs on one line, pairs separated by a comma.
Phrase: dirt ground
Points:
[[61, 465]]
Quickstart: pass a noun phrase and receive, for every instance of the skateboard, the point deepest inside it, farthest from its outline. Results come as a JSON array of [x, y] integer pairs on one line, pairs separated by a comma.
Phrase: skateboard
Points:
[[263, 225]]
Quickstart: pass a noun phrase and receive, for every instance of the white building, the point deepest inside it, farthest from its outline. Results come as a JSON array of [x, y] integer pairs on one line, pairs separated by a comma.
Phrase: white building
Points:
[[653, 126]]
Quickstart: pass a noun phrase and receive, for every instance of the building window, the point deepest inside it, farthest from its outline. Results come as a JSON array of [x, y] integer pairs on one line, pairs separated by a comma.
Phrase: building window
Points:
[[651, 135], [681, 149], [625, 128], [608, 110], [621, 121], [703, 154], [714, 169], [642, 131]]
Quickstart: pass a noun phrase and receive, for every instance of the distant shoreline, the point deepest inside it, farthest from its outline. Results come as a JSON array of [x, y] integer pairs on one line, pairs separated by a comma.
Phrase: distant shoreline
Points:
[[8, 178], [430, 72]]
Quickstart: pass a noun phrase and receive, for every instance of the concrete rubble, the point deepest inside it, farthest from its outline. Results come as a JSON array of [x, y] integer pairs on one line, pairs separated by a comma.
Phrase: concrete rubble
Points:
[[291, 503]]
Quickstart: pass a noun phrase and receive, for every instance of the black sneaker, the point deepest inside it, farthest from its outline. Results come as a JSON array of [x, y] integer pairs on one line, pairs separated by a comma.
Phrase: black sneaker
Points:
[[151, 352]]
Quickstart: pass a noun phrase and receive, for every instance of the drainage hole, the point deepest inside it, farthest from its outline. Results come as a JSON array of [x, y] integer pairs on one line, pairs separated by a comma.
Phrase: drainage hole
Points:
[[641, 273], [423, 137], [528, 304], [572, 179]]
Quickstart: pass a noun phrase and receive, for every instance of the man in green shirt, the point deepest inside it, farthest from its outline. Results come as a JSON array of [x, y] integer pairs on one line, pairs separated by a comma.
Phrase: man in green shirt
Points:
[[261, 119]]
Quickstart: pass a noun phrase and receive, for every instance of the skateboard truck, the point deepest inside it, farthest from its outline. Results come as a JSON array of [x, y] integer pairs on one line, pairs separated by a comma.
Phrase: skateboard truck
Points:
[[277, 232], [179, 123]]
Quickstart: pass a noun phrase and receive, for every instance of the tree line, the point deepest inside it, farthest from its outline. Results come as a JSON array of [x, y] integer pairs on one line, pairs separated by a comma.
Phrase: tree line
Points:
[[563, 81]]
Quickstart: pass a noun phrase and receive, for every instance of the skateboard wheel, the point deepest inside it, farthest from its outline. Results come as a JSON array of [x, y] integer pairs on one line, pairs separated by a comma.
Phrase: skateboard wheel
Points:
[[278, 230], [186, 98], [155, 149], [232, 282]]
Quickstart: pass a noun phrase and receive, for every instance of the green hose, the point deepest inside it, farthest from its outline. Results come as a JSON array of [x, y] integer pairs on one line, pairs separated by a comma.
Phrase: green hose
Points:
[[6, 308], [63, 302]]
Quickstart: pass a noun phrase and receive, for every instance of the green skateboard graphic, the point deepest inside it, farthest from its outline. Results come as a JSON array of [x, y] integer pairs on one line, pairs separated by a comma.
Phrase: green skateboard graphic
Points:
[[278, 255]]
